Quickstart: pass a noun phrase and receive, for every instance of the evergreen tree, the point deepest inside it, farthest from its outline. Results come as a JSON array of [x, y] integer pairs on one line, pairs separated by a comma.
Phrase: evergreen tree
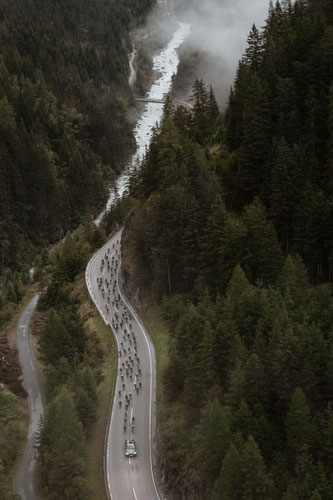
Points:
[[61, 451], [315, 495], [200, 121], [263, 260], [85, 408], [253, 53], [257, 483], [64, 336], [254, 153], [214, 427], [229, 483], [213, 109], [197, 387], [299, 425], [283, 197]]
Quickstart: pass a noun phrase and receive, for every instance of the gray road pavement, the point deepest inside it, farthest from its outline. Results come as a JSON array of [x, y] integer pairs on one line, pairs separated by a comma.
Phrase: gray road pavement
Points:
[[25, 478], [126, 478]]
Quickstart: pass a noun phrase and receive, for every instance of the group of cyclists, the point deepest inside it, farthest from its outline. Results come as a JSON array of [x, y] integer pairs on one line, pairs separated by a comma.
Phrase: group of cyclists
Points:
[[130, 370]]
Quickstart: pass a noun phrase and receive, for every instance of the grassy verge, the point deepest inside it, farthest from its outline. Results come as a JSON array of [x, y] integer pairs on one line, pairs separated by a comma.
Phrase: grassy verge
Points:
[[14, 418], [157, 329], [95, 443]]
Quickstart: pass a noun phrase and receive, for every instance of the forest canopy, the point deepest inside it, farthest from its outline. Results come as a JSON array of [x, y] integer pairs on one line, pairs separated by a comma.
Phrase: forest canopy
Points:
[[63, 130], [231, 229]]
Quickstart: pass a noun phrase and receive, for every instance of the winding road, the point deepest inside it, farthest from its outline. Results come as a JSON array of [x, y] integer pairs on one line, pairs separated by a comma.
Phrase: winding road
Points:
[[126, 478], [25, 477]]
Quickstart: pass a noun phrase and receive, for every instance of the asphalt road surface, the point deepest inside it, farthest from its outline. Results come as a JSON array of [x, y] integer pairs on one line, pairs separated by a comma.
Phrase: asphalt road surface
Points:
[[126, 478], [25, 478]]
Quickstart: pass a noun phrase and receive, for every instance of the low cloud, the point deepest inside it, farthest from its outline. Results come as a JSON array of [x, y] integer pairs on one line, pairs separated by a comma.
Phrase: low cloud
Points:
[[219, 30]]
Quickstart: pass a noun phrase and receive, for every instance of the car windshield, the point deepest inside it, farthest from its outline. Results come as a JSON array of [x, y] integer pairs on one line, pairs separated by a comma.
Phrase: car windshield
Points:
[[130, 446]]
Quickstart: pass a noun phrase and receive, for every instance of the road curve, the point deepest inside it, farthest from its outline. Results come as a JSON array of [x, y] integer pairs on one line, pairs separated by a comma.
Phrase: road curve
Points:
[[25, 477], [126, 478]]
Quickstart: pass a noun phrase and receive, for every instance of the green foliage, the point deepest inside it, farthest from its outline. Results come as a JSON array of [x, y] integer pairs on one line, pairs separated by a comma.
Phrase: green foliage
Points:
[[299, 426], [229, 482], [257, 483], [211, 438], [11, 440], [236, 229], [61, 451], [63, 95], [73, 358], [64, 336], [278, 129]]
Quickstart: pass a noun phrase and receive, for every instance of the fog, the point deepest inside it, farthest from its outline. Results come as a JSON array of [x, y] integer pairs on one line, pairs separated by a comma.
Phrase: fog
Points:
[[222, 26], [219, 30]]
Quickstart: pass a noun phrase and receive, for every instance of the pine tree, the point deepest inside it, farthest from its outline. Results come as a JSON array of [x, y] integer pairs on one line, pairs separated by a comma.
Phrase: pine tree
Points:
[[213, 109], [238, 285], [229, 483], [168, 108], [61, 450], [263, 259], [256, 384], [87, 381], [299, 426], [234, 116], [243, 420], [211, 243], [236, 389], [70, 259], [294, 277], [232, 251], [211, 439], [256, 481], [282, 362], [315, 495], [313, 232], [255, 150], [283, 197], [253, 53], [225, 334], [85, 408], [197, 387], [64, 336], [200, 119]]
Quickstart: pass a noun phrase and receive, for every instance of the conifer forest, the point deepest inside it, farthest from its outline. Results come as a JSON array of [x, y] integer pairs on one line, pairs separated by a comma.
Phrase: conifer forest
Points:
[[228, 232]]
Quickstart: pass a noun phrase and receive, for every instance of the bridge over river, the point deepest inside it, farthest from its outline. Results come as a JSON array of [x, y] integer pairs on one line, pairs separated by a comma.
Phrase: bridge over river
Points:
[[147, 99], [162, 101]]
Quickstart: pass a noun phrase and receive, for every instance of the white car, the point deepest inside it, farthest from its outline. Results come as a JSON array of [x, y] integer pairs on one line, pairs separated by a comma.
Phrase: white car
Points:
[[130, 448]]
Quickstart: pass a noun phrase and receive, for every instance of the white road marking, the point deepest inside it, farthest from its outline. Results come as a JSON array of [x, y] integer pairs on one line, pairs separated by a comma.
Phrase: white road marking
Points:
[[136, 498]]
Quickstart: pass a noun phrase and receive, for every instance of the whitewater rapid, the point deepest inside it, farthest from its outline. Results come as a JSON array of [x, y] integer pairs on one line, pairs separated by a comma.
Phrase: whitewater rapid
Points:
[[165, 65]]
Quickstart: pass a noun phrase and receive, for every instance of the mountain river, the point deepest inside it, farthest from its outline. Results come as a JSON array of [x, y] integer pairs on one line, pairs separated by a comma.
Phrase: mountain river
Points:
[[165, 65]]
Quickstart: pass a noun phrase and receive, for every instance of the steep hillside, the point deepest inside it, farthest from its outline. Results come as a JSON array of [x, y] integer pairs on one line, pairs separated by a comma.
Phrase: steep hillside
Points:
[[63, 131], [231, 231]]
